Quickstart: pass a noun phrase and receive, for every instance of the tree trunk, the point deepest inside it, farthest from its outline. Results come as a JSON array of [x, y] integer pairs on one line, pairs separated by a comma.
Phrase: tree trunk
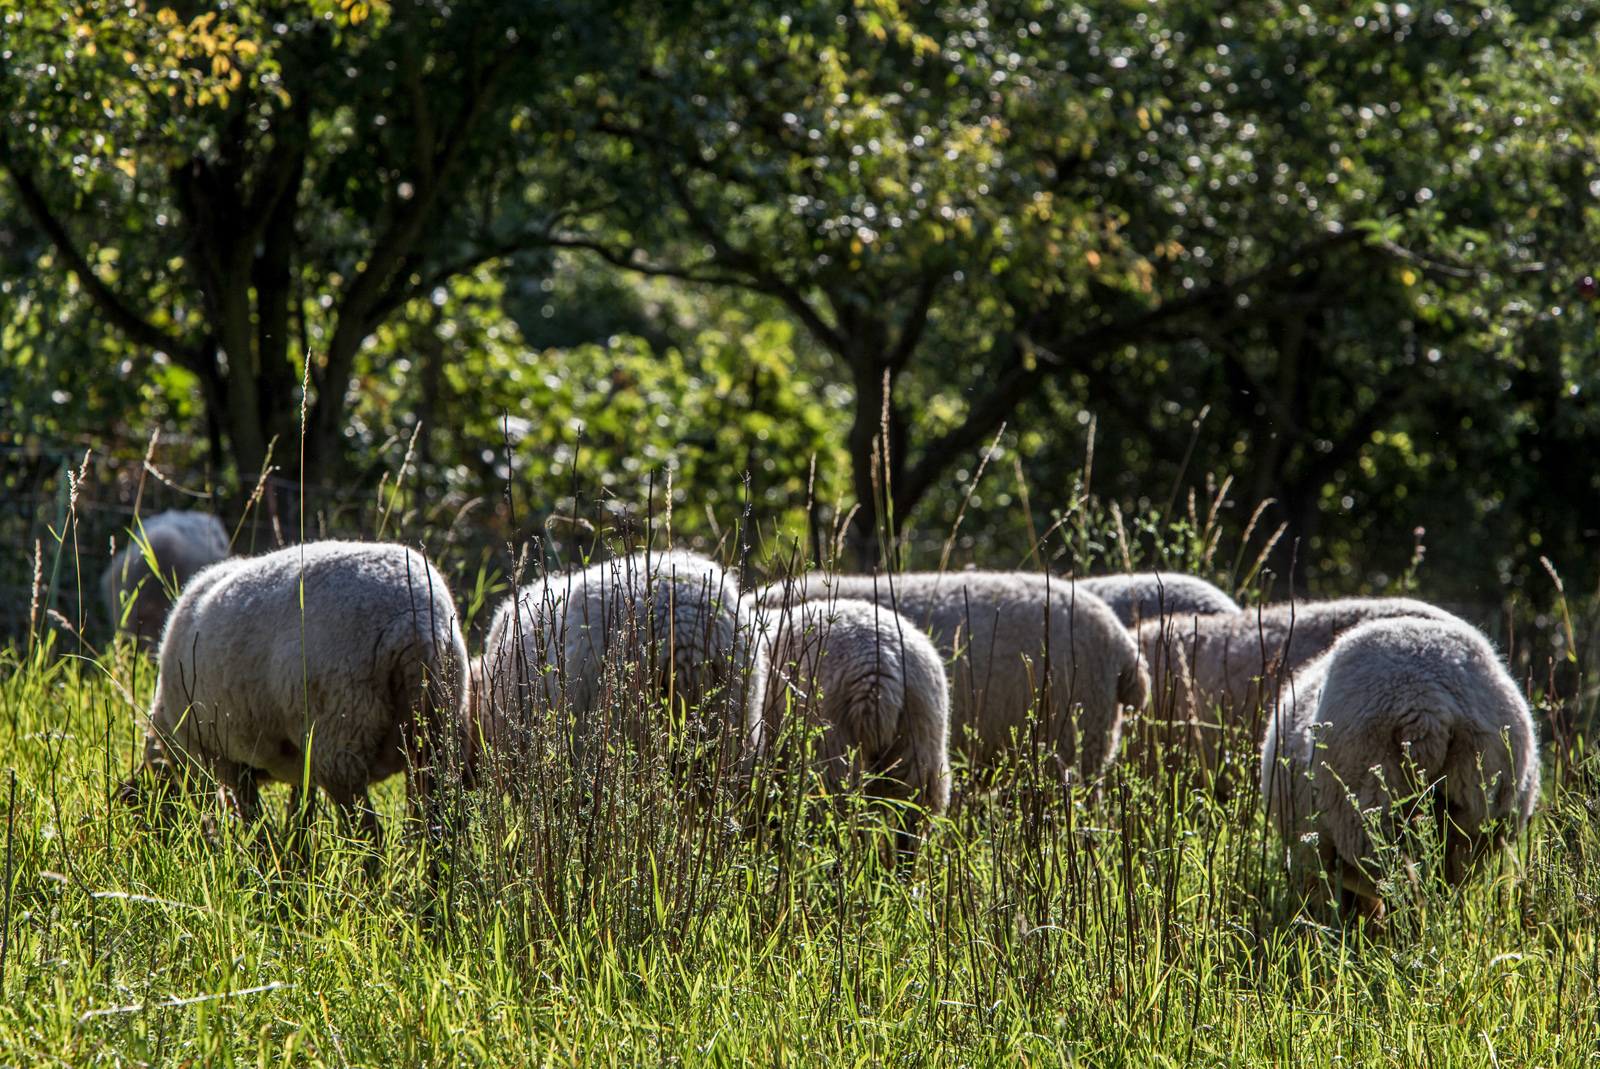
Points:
[[871, 529], [276, 399], [215, 211]]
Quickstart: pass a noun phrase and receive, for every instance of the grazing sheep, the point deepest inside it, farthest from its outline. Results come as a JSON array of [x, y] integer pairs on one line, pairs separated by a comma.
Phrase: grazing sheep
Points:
[[182, 543], [1151, 595], [672, 615], [1208, 669], [350, 649], [1007, 634], [1396, 709], [874, 684]]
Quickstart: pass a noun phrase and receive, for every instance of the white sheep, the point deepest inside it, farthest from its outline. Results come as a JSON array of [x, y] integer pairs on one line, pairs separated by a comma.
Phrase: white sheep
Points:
[[664, 621], [352, 650], [1011, 637], [1398, 709], [1144, 596], [875, 686], [181, 543], [1208, 671]]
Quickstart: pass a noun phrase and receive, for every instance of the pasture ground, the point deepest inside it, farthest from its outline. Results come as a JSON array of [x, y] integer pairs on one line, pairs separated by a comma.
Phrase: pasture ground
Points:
[[606, 924]]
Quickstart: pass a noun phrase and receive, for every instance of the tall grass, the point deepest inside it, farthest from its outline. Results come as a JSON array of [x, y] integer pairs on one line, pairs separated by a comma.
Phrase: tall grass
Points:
[[611, 909]]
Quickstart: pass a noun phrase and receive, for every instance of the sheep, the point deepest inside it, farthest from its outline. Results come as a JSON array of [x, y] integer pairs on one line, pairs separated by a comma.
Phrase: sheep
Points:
[[1207, 671], [181, 544], [1008, 635], [875, 685], [1151, 595], [671, 615], [351, 650], [1398, 708]]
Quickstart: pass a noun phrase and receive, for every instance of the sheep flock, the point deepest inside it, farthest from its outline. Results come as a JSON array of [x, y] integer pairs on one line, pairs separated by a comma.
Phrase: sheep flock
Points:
[[1368, 726]]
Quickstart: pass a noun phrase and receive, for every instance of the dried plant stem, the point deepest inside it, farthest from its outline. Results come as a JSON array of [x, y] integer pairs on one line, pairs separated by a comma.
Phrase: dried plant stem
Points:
[[1122, 537], [949, 543], [255, 495], [1262, 557], [398, 479]]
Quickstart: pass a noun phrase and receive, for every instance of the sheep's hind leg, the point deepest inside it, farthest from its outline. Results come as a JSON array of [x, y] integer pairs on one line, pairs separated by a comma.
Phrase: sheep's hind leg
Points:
[[1360, 895]]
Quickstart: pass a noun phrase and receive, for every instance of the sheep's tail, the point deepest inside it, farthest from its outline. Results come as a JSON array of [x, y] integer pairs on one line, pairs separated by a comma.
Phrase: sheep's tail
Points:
[[913, 768], [917, 755]]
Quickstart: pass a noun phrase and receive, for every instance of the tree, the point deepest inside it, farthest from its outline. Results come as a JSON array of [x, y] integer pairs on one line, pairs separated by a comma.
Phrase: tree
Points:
[[238, 185], [1338, 230], [970, 204], [760, 152]]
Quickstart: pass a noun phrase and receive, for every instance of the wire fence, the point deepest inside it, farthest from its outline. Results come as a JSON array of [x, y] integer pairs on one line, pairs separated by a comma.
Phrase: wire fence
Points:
[[65, 511]]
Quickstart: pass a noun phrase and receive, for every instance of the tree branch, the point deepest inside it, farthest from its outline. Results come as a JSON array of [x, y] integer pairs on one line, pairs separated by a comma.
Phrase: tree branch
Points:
[[120, 314], [398, 294], [760, 279], [690, 273], [356, 310], [1021, 380]]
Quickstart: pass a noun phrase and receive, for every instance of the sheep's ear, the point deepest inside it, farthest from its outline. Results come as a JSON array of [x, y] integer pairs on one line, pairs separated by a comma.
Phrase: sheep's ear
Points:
[[1426, 735]]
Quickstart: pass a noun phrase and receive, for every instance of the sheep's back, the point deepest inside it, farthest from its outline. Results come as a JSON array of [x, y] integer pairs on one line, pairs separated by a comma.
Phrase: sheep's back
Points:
[[1229, 653], [992, 625], [182, 543], [1152, 595]]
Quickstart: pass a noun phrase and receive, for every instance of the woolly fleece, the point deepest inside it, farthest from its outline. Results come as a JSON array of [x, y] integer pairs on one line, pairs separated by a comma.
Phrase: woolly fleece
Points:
[[245, 675], [558, 642], [999, 631], [182, 544], [1212, 663], [1145, 596], [876, 685], [1344, 722]]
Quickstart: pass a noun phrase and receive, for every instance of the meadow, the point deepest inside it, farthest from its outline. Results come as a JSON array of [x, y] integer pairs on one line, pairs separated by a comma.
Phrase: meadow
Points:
[[528, 282], [593, 916]]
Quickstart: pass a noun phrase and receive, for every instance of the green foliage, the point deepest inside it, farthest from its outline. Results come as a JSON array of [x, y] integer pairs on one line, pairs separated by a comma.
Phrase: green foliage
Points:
[[233, 187], [594, 430], [1347, 234]]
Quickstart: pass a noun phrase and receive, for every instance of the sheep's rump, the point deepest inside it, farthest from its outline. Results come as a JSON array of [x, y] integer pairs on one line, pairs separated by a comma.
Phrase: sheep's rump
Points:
[[342, 646], [1210, 668], [1394, 708], [663, 624], [1145, 596], [182, 543], [871, 681], [1011, 637]]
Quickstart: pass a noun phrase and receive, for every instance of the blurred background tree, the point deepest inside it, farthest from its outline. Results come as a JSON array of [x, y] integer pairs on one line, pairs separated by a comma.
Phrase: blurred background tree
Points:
[[1329, 252], [235, 185]]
